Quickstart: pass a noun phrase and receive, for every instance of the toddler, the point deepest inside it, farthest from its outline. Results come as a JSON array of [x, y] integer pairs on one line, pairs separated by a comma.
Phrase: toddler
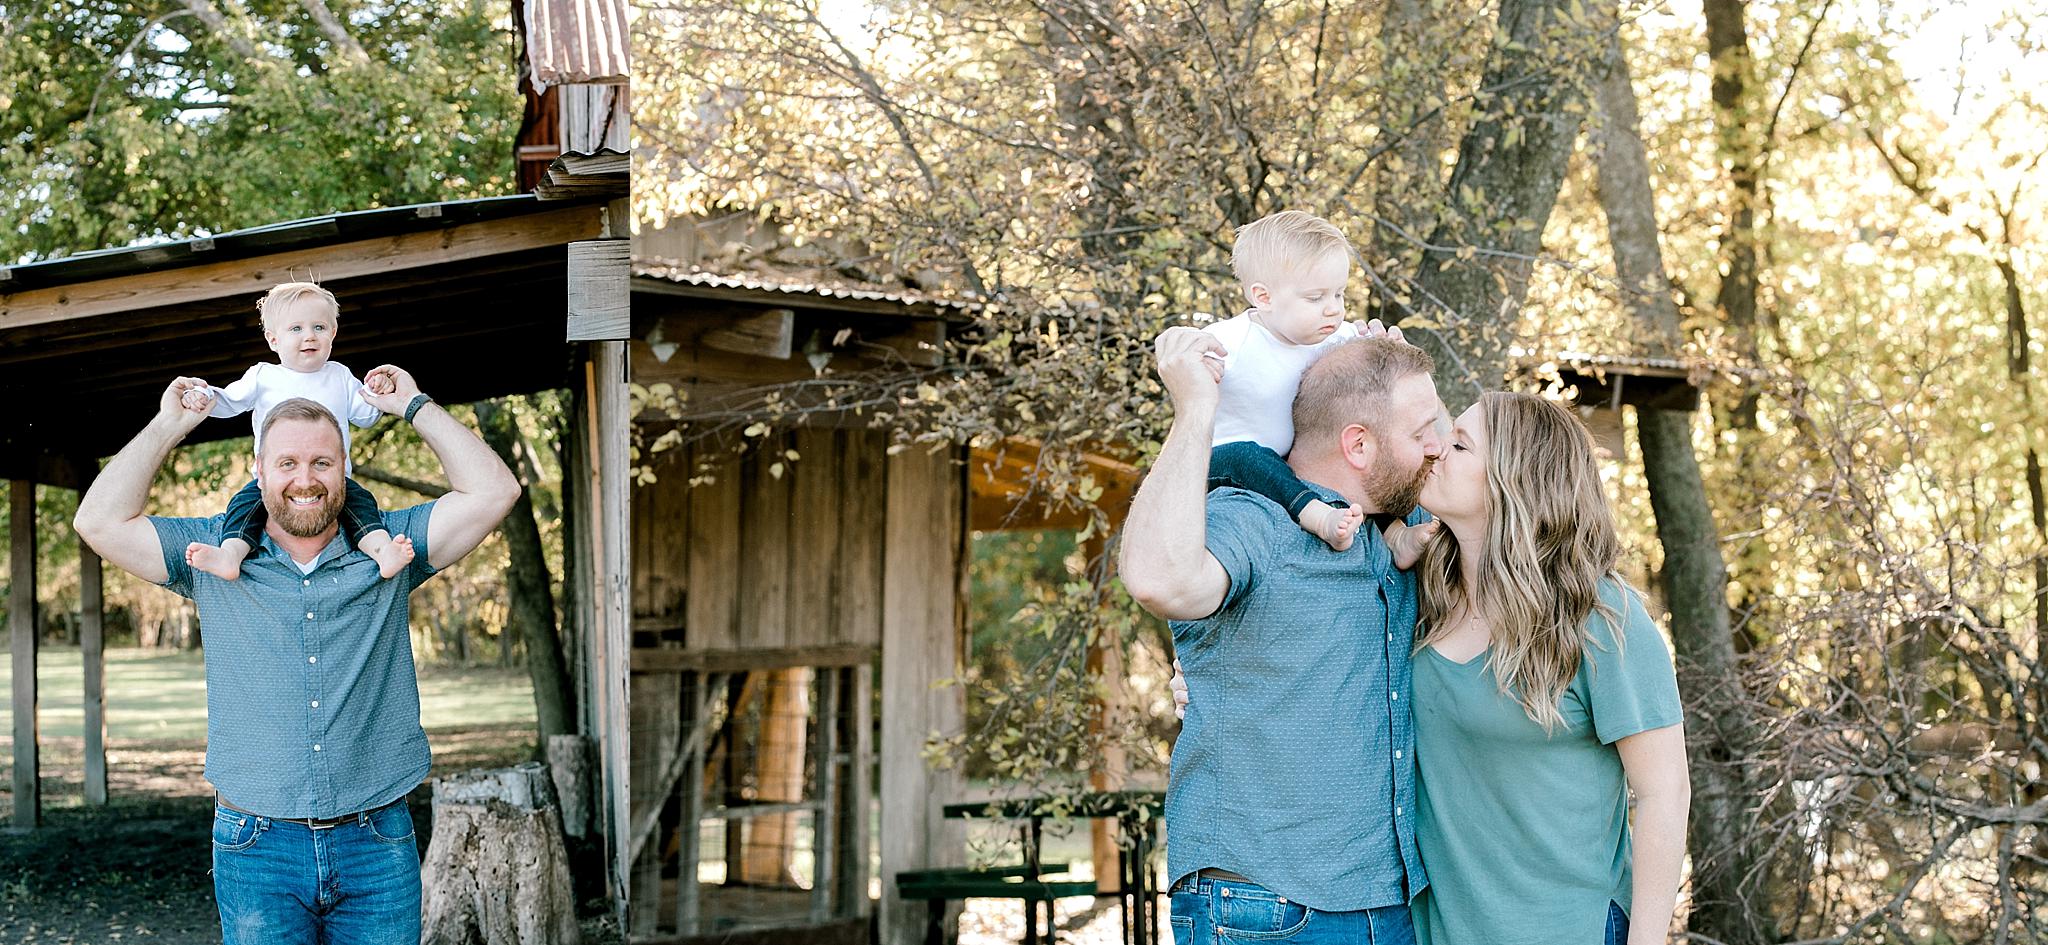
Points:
[[1293, 267], [299, 320]]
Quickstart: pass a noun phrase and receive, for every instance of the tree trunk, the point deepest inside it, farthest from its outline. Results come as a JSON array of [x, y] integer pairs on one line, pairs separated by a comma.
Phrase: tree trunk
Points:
[[569, 767], [1510, 165], [1741, 148], [496, 871], [1725, 848], [1735, 134], [531, 600], [1407, 180]]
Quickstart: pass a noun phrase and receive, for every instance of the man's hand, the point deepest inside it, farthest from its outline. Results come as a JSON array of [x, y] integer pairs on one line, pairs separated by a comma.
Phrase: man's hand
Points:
[[1191, 367], [1179, 685], [185, 403], [389, 388]]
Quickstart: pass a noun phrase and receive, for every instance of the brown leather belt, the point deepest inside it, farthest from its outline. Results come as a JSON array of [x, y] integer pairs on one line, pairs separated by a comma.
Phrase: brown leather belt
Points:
[[312, 823]]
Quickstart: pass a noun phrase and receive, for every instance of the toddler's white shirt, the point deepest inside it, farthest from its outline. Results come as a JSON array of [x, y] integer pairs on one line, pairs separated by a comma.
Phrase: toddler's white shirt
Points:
[[1260, 378], [266, 385]]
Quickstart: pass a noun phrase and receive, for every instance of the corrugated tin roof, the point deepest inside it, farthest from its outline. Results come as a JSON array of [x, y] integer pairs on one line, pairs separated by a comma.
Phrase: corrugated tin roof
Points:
[[263, 240], [577, 41], [1626, 363], [671, 271]]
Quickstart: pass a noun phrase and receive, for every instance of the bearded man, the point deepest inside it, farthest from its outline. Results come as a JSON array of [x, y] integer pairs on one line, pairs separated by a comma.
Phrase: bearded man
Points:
[[1290, 808], [313, 736]]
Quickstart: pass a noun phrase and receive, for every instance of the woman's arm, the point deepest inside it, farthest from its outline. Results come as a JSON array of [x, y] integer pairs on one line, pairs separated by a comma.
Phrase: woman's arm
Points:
[[1656, 768]]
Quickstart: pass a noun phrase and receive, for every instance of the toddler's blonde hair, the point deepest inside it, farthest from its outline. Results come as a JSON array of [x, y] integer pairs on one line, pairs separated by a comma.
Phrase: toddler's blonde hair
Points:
[[283, 294], [1282, 244]]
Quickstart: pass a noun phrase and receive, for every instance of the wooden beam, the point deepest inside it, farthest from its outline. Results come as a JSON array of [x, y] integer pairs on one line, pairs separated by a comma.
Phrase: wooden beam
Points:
[[21, 629], [342, 261], [613, 629], [675, 660], [924, 534], [853, 888], [92, 652], [770, 334], [921, 342], [599, 304]]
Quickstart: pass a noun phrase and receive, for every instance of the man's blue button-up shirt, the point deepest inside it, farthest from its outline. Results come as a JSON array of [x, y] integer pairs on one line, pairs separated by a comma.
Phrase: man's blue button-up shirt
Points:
[[1295, 766], [312, 701]]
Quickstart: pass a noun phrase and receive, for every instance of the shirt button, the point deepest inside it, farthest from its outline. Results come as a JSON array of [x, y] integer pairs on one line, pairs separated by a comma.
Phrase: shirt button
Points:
[[312, 659], [305, 583], [1397, 751], [309, 615], [317, 748], [316, 704], [1390, 638], [1394, 696], [1397, 811]]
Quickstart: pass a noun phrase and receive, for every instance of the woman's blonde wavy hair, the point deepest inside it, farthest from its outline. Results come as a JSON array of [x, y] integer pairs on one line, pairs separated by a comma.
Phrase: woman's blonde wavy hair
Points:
[[1550, 541]]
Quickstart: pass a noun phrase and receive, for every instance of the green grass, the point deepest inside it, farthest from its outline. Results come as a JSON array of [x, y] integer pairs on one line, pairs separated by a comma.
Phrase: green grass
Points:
[[160, 695]]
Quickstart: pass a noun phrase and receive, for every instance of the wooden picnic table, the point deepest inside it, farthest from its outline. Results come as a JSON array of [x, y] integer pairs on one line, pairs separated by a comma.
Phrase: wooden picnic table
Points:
[[1138, 815]]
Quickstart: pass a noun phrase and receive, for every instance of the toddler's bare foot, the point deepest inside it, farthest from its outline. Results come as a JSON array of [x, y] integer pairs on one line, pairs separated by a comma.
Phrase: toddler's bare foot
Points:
[[215, 560], [1407, 541], [1335, 526], [393, 556]]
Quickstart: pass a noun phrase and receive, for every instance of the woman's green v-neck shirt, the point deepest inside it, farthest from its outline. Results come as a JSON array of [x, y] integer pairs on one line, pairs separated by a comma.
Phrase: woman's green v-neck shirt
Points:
[[1525, 834]]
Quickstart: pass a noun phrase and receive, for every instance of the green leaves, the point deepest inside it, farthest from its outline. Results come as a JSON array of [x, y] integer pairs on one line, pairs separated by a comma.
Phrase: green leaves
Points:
[[130, 122]]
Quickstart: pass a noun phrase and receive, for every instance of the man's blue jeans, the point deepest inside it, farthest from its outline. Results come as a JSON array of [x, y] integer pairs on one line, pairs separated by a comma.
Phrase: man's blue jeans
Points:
[[1212, 911], [283, 883]]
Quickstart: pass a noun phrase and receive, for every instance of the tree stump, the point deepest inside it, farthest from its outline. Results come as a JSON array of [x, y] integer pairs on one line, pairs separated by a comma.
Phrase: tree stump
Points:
[[569, 765], [497, 872]]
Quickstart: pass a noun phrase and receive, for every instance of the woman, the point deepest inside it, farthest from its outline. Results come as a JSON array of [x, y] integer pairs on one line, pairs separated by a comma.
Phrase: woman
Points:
[[1534, 715]]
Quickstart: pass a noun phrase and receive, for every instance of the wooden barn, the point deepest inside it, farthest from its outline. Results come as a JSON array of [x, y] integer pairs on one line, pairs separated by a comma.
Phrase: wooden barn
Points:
[[794, 603]]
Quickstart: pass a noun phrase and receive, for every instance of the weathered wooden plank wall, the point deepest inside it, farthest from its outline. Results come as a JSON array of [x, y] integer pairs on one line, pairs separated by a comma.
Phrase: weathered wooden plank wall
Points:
[[785, 563]]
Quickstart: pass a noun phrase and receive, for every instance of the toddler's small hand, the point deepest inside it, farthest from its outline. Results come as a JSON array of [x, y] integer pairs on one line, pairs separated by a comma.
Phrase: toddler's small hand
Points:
[[197, 400]]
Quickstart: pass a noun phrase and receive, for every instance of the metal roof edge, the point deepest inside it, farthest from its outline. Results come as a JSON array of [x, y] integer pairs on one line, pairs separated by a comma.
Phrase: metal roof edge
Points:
[[346, 226]]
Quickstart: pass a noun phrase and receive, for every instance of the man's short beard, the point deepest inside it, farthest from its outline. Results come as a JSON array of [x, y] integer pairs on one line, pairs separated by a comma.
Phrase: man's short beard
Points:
[[305, 523], [1392, 494]]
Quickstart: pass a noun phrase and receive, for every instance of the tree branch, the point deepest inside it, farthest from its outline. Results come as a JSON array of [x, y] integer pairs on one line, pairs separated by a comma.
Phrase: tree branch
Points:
[[237, 39], [331, 27], [421, 486]]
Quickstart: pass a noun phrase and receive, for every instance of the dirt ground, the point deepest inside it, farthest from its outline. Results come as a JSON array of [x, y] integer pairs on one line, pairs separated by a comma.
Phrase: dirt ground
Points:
[[135, 871]]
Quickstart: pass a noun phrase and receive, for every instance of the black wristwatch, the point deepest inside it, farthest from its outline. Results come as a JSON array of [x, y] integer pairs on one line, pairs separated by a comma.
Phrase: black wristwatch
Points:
[[413, 407]]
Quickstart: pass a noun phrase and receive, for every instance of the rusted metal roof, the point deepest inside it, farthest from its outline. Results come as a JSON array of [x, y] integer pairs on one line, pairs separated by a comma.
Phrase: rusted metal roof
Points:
[[1632, 364], [577, 41], [676, 273]]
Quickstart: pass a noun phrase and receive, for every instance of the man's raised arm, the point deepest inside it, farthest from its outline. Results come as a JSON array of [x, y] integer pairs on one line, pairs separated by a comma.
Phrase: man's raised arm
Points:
[[480, 489], [110, 518], [1166, 564]]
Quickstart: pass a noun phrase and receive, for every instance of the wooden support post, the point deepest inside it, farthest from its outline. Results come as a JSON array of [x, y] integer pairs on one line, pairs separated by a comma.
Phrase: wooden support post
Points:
[[923, 540], [708, 687], [92, 652], [611, 628], [853, 875], [21, 628], [825, 826]]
